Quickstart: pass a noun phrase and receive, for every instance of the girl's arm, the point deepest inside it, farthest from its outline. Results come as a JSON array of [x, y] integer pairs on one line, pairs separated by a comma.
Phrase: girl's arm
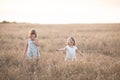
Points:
[[79, 52], [26, 47], [37, 42], [61, 49]]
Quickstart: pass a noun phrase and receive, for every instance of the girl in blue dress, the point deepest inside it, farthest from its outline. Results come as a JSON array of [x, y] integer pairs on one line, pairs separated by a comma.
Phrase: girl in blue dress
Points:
[[32, 46]]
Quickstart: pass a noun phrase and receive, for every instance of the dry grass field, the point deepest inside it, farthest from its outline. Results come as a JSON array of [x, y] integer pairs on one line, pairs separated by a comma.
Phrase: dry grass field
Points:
[[100, 44]]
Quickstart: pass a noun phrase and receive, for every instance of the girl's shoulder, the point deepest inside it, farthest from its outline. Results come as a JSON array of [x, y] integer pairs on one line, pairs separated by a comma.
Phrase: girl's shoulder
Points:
[[28, 39], [67, 46], [75, 47]]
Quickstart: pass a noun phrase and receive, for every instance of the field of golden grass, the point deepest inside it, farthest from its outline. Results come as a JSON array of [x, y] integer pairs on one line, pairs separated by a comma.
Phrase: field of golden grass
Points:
[[100, 44]]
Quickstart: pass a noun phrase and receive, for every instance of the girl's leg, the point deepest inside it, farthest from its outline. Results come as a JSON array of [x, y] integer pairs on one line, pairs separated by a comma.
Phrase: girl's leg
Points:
[[37, 60]]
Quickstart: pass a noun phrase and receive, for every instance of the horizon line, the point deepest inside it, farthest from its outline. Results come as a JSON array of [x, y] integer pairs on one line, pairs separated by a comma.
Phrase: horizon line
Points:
[[25, 22]]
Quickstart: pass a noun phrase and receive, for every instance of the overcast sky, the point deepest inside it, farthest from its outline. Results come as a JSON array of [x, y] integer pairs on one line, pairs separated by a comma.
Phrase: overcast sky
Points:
[[60, 11]]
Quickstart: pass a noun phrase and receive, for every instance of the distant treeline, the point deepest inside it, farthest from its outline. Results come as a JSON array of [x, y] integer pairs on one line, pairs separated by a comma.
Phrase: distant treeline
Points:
[[7, 22]]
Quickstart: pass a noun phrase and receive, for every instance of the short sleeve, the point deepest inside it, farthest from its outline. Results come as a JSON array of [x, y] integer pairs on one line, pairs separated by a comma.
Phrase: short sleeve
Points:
[[76, 48], [66, 47]]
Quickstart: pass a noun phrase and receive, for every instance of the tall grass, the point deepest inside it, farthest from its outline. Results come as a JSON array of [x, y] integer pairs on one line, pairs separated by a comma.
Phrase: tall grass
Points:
[[100, 45]]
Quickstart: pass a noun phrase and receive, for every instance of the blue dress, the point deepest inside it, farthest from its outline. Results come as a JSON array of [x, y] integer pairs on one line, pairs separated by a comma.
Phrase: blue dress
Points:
[[33, 50]]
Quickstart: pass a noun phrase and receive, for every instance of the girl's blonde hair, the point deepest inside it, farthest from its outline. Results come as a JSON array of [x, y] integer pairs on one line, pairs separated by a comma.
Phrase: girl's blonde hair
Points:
[[32, 32], [72, 40]]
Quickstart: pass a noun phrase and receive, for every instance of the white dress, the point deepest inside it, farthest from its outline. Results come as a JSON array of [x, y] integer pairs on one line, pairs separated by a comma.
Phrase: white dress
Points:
[[70, 53], [33, 50]]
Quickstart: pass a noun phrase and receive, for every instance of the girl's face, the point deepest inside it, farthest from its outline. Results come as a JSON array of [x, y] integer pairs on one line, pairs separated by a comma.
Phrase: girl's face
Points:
[[33, 36], [71, 42]]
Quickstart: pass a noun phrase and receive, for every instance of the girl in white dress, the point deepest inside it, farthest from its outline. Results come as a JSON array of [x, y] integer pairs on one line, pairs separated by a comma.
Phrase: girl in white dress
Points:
[[70, 49], [32, 46]]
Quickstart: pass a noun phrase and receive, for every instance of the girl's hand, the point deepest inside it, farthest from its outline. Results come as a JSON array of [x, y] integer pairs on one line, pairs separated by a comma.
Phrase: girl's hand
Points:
[[37, 42]]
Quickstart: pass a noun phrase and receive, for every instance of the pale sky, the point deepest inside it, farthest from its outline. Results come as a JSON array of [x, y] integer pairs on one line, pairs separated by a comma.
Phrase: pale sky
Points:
[[60, 11]]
